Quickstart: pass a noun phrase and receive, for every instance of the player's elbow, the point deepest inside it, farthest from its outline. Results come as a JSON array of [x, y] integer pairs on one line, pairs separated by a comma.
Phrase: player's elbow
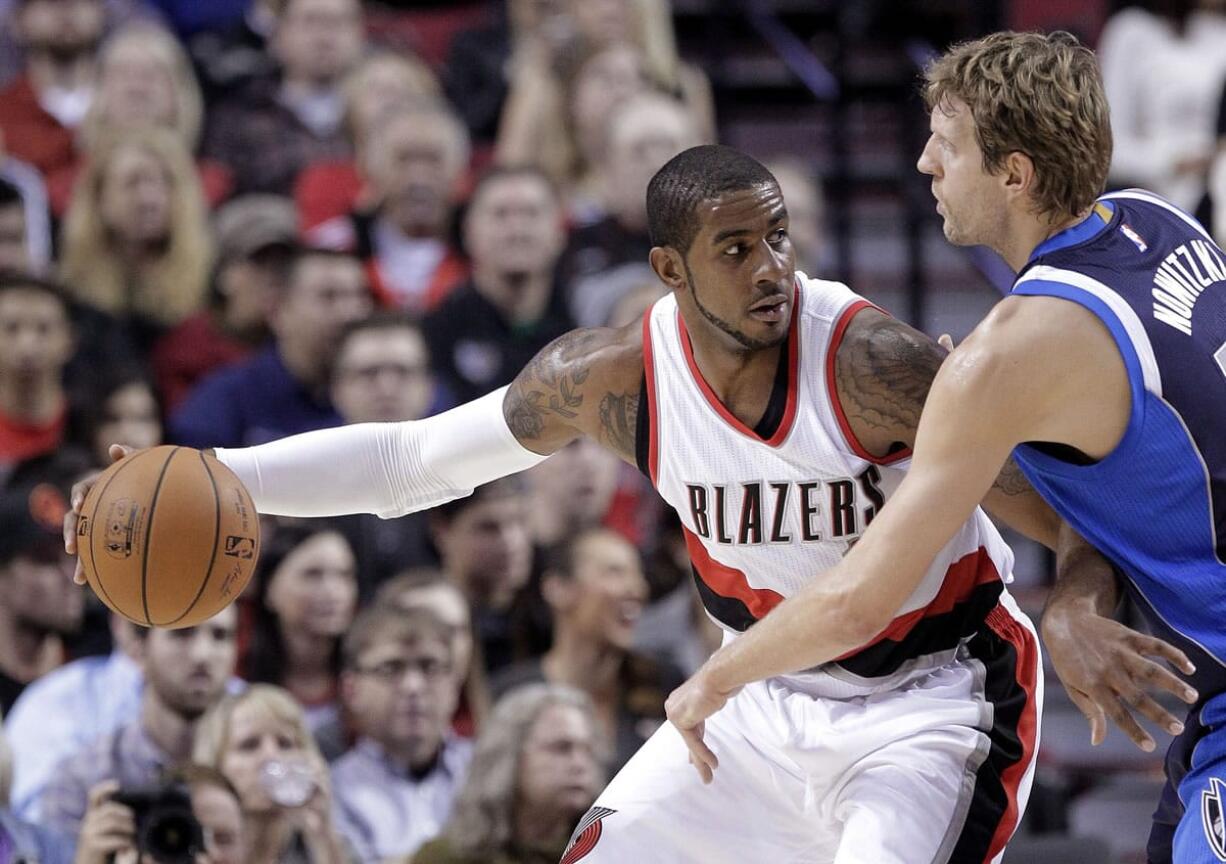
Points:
[[861, 619]]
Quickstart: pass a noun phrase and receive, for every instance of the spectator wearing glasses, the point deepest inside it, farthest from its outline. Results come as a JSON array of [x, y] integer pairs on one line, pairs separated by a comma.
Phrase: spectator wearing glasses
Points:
[[394, 789]]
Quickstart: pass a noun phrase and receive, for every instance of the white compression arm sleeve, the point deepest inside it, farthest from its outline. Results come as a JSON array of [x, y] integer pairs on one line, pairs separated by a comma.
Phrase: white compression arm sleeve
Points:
[[389, 469]]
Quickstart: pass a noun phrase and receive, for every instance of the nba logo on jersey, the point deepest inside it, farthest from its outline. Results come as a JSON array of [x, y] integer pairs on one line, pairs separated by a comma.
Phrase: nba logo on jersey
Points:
[[1211, 812], [1127, 231]]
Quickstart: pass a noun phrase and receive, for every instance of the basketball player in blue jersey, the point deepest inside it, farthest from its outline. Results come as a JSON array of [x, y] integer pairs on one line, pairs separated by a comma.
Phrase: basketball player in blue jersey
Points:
[[1104, 375]]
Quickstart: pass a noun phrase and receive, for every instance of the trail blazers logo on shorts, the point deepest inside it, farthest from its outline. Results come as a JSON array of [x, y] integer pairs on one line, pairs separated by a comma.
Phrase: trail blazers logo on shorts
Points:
[[1213, 814], [586, 836]]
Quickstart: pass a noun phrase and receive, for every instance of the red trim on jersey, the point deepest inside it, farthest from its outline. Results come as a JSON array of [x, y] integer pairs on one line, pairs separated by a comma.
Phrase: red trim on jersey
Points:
[[961, 579], [728, 581], [1013, 631], [789, 412], [584, 844], [836, 337], [653, 415]]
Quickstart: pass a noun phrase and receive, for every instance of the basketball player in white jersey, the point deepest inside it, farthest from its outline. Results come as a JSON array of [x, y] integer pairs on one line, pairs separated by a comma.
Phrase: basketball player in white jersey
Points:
[[775, 413]]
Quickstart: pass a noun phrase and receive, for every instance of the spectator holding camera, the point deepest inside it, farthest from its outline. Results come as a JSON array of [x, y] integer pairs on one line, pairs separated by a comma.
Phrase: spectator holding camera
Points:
[[260, 741], [395, 788], [185, 672]]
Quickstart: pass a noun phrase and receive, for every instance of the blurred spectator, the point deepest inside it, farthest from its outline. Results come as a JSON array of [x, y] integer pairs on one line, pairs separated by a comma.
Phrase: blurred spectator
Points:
[[185, 673], [424, 589], [535, 772], [381, 374], [124, 410], [1163, 66], [144, 81], [1213, 208], [413, 158], [304, 599], [35, 347], [40, 110], [39, 607], [108, 829], [383, 80], [274, 127], [282, 389], [806, 214], [608, 258], [22, 841], [571, 492], [556, 120], [70, 707], [25, 231], [242, 737], [255, 238], [596, 590], [511, 306], [395, 788], [135, 240], [486, 552], [219, 810], [231, 58]]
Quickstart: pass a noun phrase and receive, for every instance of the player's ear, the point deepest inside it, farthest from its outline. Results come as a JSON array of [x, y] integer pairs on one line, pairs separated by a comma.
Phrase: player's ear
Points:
[[1018, 173], [666, 262]]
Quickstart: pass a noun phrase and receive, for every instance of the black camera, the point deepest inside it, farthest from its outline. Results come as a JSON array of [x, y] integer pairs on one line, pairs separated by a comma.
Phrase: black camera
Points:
[[166, 828]]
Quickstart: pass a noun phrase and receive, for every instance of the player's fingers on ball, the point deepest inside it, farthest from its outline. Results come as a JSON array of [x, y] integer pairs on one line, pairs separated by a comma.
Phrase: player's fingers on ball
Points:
[[119, 451], [70, 533]]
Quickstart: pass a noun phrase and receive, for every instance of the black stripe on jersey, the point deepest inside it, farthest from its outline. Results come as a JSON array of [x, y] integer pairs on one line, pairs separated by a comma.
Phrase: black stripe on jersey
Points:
[[930, 634], [642, 431], [1008, 698], [777, 405], [728, 611]]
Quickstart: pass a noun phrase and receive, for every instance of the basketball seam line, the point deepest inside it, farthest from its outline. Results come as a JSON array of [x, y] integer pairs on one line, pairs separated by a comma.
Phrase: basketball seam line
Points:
[[144, 564], [216, 537], [94, 521]]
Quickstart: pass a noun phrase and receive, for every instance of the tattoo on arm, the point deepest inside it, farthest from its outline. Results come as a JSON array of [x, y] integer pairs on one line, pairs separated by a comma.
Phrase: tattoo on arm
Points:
[[883, 375], [619, 422], [549, 387], [1012, 482]]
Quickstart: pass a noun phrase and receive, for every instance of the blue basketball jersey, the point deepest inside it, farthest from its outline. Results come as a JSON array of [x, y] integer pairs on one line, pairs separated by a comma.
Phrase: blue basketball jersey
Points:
[[1156, 505]]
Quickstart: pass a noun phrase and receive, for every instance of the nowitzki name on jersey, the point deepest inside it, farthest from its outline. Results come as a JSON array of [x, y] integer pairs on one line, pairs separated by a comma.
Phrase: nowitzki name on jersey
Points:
[[1181, 278], [748, 514]]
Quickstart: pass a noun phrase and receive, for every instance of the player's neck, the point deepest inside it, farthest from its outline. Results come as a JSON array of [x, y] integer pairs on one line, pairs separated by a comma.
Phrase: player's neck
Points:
[[741, 380], [1022, 238]]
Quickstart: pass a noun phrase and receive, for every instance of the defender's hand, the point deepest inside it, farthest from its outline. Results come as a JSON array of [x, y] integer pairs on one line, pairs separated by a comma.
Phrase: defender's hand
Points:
[[687, 708], [1105, 668], [79, 491]]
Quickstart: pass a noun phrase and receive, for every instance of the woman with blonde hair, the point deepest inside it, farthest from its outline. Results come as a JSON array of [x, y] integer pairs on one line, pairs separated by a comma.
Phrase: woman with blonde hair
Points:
[[535, 771], [259, 741], [135, 241], [145, 80]]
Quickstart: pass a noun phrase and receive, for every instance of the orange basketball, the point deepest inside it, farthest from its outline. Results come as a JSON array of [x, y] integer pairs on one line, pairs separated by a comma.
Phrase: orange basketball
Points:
[[168, 537]]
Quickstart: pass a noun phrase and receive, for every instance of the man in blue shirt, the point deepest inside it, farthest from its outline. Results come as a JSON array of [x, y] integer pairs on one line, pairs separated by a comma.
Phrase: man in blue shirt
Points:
[[283, 389]]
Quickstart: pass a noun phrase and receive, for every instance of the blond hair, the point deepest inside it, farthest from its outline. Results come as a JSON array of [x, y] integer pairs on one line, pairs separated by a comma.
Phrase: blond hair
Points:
[[166, 50], [1040, 95], [213, 732], [174, 286]]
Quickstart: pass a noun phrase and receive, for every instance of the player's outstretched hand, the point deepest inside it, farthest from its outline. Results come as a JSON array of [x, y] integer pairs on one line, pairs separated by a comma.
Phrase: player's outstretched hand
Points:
[[116, 452], [687, 708], [1107, 671]]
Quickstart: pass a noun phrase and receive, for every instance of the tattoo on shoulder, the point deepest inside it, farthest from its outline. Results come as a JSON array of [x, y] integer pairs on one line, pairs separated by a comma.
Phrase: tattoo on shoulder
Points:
[[619, 414], [884, 380], [551, 384], [1011, 481]]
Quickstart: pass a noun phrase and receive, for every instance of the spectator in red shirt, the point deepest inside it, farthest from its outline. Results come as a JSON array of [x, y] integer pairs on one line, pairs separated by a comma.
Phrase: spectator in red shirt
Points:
[[144, 80], [413, 160], [40, 110], [35, 346], [255, 238]]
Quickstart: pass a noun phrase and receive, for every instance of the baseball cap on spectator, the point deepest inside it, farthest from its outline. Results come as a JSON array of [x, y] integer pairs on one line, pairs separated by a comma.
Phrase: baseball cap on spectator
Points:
[[253, 223]]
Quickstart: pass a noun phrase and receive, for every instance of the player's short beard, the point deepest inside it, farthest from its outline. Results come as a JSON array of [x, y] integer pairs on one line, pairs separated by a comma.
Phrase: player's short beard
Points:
[[744, 339]]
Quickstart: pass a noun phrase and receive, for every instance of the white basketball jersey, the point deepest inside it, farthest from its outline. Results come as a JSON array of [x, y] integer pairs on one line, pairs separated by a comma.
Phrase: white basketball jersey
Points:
[[764, 516]]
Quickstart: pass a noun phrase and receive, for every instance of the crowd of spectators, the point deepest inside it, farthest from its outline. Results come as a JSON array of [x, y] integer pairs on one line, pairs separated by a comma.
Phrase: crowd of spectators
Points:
[[284, 218]]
